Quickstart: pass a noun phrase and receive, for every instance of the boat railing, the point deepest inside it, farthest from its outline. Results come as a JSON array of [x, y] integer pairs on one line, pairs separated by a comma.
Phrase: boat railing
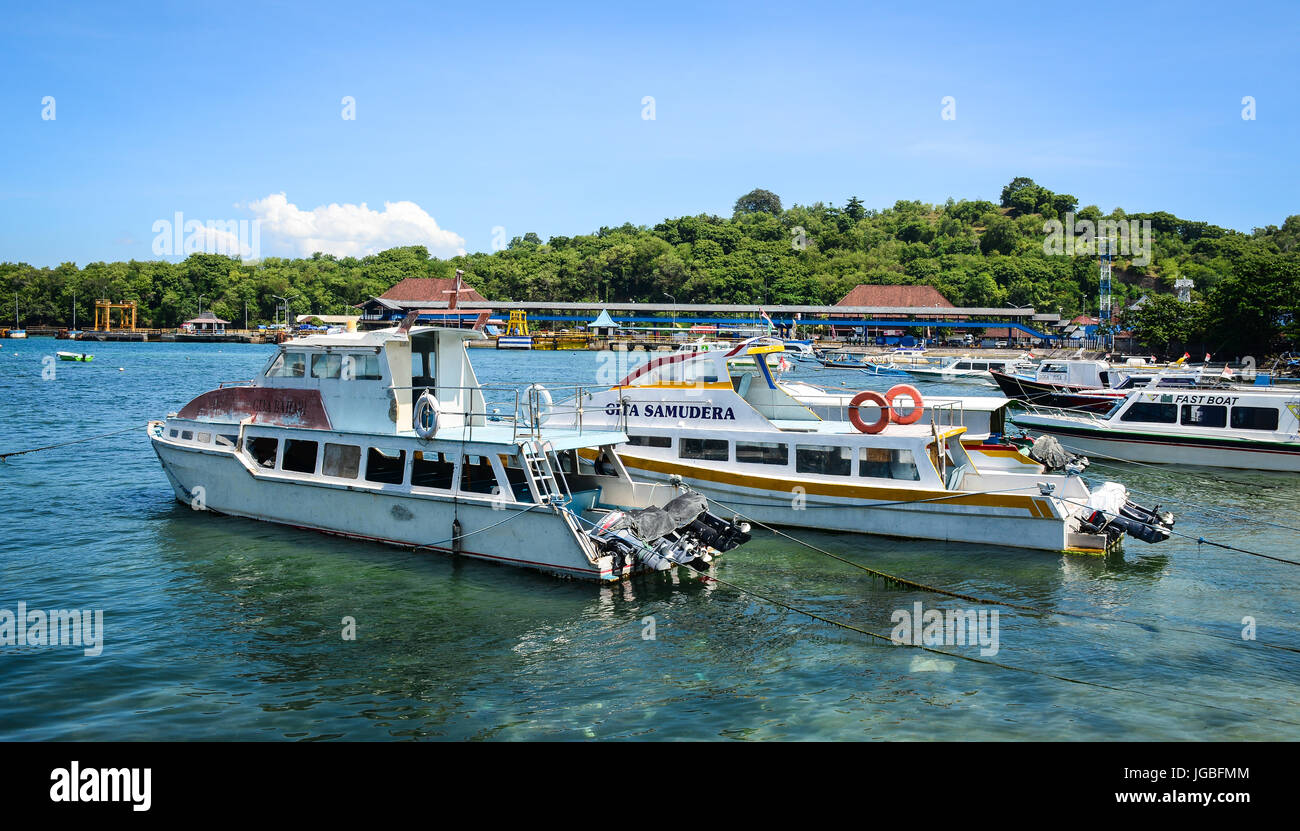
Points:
[[1054, 412], [525, 411]]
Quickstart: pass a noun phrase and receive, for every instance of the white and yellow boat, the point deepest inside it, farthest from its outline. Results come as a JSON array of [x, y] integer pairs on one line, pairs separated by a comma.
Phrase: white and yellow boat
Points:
[[721, 423]]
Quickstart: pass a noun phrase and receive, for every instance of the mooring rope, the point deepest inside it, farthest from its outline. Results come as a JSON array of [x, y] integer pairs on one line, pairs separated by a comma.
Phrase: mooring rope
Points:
[[973, 659], [1036, 610], [5, 456]]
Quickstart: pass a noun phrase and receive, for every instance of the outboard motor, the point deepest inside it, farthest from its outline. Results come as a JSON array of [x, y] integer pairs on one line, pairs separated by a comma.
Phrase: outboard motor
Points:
[[1115, 514], [683, 532]]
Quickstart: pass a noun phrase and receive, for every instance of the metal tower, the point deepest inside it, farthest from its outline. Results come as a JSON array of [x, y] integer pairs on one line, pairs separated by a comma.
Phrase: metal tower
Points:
[[1103, 300]]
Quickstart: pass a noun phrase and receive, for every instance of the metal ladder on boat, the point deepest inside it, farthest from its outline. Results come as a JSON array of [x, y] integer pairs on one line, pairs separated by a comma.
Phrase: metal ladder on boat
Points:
[[538, 462]]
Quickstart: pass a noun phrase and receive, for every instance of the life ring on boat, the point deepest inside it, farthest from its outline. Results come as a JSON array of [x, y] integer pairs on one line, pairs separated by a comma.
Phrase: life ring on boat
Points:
[[425, 418], [545, 404], [899, 390], [869, 396]]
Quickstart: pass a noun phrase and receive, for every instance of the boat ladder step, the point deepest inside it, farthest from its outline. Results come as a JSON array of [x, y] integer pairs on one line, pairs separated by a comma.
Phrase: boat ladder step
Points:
[[538, 462]]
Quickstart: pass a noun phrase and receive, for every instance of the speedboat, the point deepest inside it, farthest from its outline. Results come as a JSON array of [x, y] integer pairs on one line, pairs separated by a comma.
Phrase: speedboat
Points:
[[76, 356], [1232, 427], [388, 436], [720, 423], [966, 368]]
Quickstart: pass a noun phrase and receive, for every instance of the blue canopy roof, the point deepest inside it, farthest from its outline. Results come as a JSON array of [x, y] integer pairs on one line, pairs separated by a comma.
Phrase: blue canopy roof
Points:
[[603, 321]]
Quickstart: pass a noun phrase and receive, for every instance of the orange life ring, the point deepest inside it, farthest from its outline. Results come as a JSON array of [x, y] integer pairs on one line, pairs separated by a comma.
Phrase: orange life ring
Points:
[[917, 404], [875, 398]]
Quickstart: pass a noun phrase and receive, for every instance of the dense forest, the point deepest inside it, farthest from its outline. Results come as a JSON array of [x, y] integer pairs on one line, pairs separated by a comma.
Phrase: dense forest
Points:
[[977, 253]]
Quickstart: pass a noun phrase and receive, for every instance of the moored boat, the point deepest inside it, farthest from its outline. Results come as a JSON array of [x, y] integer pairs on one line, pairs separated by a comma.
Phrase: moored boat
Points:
[[1231, 427], [388, 436], [722, 424], [76, 356]]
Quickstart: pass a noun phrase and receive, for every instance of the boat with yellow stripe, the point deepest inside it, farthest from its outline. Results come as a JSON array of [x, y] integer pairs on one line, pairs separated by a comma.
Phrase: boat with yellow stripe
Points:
[[721, 423]]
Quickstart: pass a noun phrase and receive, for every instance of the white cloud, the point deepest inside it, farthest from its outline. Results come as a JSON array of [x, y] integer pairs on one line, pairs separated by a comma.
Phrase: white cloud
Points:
[[353, 230]]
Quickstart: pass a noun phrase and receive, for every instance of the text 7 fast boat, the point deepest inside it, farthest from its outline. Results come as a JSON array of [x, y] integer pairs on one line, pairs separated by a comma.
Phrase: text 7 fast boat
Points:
[[388, 436], [719, 422]]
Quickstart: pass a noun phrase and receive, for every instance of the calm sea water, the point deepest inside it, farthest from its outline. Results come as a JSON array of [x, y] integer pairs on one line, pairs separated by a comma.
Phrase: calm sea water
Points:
[[222, 628]]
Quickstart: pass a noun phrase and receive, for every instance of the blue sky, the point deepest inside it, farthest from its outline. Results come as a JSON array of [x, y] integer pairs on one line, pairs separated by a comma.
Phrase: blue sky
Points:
[[528, 117]]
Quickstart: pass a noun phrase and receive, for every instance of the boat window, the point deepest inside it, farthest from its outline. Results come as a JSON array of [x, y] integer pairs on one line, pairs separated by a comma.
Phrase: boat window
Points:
[[174, 433], [225, 440], [342, 461], [422, 364], [1204, 415], [326, 366], [206, 438], [823, 459], [361, 367], [386, 466], [432, 470], [1152, 412], [962, 365], [477, 475], [262, 449], [288, 365], [762, 452], [299, 456], [884, 463], [1254, 418], [649, 441], [712, 450], [978, 365], [187, 435], [1058, 369]]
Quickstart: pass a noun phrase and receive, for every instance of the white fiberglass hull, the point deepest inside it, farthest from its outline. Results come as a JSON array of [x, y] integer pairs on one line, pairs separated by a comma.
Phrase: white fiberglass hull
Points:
[[1016, 520], [532, 537], [1166, 450]]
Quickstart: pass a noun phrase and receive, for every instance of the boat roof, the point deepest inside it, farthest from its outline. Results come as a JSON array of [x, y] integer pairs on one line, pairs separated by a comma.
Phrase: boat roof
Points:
[[379, 337]]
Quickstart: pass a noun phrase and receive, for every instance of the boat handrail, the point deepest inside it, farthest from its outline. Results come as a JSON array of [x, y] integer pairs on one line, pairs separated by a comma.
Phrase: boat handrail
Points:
[[526, 414]]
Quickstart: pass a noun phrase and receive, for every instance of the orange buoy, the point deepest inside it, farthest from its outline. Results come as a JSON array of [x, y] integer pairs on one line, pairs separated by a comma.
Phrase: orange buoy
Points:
[[875, 398], [899, 390]]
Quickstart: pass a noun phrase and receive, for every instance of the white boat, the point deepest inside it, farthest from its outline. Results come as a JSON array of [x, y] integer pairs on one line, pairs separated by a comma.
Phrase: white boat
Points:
[[388, 436], [514, 342], [721, 423], [966, 368], [1233, 427], [17, 334]]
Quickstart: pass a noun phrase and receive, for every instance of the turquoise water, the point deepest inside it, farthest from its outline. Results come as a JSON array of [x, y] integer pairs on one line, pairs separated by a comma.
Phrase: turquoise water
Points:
[[221, 628]]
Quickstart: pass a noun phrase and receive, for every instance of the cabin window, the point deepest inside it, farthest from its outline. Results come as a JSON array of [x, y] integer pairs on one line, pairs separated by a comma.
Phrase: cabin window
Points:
[[477, 475], [387, 467], [326, 366], [1254, 418], [262, 449], [361, 367], [827, 460], [762, 453], [422, 364], [1152, 412], [710, 450], [1054, 369], [299, 456], [174, 433], [649, 441], [206, 438], [187, 435], [962, 365], [288, 365], [432, 470], [884, 463], [226, 440], [1204, 415], [342, 461]]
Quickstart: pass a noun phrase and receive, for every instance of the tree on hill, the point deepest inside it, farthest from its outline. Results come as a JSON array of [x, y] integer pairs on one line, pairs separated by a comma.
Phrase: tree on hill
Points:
[[758, 201]]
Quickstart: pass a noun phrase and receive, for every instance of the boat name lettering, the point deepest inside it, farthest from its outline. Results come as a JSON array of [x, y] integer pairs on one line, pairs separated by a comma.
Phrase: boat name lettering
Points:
[[687, 411]]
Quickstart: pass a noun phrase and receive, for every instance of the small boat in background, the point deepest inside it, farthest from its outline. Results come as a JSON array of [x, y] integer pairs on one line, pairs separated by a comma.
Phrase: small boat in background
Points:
[[76, 356]]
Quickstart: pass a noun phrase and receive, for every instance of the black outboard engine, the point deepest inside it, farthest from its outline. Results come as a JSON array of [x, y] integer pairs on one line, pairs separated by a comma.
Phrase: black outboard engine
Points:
[[1146, 524], [682, 532]]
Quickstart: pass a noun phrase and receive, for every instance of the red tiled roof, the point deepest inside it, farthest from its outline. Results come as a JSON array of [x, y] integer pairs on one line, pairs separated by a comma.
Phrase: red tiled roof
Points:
[[864, 295], [431, 290]]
